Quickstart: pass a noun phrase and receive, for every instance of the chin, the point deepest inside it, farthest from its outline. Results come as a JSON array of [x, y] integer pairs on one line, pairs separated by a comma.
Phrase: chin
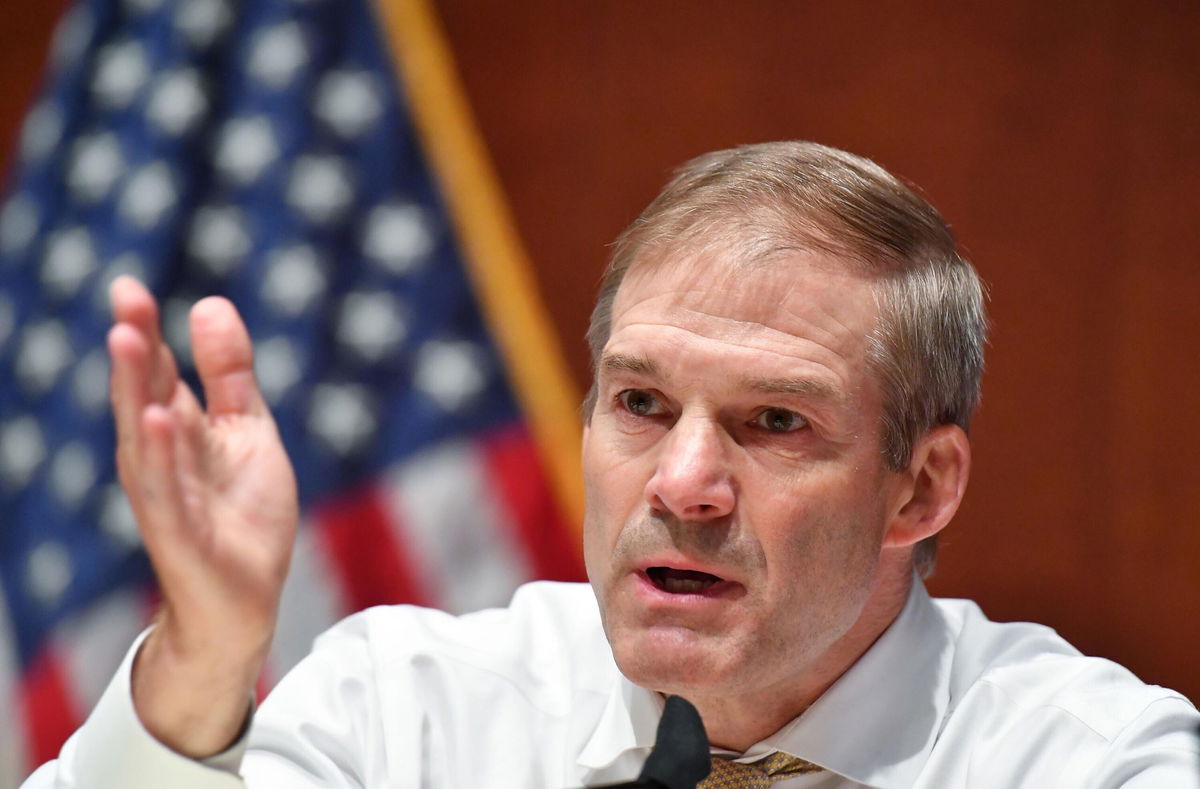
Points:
[[673, 660]]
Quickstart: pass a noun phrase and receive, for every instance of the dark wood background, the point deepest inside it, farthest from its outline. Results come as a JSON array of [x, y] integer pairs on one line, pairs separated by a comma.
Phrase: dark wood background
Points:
[[1062, 141]]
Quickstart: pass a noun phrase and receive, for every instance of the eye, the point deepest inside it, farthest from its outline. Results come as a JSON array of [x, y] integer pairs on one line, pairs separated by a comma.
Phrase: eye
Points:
[[780, 420], [640, 402]]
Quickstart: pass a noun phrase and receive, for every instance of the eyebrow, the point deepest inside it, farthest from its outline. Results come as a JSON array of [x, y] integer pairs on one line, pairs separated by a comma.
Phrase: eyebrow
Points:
[[620, 362], [801, 387]]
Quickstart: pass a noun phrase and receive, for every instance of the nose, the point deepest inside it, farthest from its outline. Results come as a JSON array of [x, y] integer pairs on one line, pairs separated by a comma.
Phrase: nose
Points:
[[692, 480]]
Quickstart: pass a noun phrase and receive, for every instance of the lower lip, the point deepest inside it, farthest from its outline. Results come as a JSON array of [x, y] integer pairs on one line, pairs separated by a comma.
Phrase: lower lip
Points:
[[719, 592]]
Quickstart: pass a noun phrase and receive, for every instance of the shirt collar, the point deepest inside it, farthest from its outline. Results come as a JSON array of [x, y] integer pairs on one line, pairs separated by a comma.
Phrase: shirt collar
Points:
[[628, 722], [875, 725]]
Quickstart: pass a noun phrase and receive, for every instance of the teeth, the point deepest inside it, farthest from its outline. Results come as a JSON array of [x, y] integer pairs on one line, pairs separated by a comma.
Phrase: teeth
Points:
[[685, 585], [681, 581]]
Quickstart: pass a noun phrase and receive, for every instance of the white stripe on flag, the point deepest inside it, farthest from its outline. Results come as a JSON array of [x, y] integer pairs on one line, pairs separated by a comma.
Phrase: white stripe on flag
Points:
[[311, 603], [12, 741], [443, 507], [91, 644]]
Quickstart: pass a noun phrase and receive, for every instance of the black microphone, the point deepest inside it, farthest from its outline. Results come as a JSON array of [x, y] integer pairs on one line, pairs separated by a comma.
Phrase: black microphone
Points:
[[679, 759]]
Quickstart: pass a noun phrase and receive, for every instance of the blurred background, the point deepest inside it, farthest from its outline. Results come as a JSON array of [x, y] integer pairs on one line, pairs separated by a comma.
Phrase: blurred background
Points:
[[1061, 141]]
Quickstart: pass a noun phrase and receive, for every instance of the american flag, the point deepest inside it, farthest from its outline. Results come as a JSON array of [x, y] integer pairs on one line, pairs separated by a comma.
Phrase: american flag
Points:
[[281, 153]]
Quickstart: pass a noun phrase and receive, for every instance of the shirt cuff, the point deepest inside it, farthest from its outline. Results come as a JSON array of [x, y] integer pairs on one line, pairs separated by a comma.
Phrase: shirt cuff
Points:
[[115, 750]]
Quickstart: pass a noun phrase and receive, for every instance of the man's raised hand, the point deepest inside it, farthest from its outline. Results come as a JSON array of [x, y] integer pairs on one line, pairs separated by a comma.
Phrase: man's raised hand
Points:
[[215, 500]]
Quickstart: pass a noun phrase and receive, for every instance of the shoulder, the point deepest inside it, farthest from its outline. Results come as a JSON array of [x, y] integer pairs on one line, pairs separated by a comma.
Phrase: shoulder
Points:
[[1021, 687], [1030, 665]]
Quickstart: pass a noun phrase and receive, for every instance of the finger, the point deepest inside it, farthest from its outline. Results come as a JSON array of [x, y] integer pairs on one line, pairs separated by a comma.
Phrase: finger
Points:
[[155, 493], [224, 358], [134, 305], [128, 387]]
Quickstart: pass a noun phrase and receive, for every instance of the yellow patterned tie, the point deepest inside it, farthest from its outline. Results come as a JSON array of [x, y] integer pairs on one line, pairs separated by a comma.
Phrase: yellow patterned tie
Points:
[[756, 775]]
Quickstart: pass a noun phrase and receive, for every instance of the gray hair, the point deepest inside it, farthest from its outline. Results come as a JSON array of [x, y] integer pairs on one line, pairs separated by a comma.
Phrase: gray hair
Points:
[[927, 348]]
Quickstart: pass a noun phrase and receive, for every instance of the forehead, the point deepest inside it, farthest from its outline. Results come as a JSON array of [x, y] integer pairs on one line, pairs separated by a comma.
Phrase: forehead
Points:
[[791, 297]]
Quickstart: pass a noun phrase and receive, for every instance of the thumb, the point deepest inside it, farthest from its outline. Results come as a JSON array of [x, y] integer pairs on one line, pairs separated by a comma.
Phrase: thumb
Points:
[[224, 358]]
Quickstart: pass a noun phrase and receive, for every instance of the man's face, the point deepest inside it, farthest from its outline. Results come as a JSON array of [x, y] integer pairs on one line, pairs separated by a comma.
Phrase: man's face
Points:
[[736, 497]]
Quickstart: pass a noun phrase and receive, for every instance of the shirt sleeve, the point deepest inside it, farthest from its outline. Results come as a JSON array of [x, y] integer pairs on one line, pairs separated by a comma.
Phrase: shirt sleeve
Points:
[[319, 729], [112, 750]]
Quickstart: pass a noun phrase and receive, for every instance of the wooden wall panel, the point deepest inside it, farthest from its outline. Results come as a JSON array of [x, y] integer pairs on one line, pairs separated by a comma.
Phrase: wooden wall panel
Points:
[[1061, 140]]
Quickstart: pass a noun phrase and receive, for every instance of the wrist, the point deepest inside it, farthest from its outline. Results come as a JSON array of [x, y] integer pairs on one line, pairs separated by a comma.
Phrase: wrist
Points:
[[196, 702]]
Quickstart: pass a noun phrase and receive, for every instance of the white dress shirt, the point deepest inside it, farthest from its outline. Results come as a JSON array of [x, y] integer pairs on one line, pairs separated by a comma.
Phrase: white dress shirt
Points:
[[529, 696]]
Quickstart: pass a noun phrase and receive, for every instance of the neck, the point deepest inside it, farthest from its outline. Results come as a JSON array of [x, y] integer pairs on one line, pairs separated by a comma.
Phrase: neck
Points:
[[738, 722]]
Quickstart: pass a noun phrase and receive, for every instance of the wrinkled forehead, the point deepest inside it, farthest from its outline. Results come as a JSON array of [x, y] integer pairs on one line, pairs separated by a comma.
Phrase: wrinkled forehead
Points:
[[769, 286]]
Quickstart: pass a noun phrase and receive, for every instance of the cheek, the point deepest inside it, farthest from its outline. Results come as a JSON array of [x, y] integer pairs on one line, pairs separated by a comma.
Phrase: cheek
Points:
[[613, 481], [820, 574], [593, 528], [828, 532], [602, 518]]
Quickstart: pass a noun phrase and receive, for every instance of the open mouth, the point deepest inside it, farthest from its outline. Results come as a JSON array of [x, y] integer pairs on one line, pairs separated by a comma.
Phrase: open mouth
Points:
[[675, 581]]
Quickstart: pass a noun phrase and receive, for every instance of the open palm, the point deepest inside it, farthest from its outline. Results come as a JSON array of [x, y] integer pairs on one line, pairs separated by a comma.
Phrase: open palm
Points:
[[212, 490]]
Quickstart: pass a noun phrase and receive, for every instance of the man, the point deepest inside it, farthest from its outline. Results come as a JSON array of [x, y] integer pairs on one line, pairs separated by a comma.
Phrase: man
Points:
[[787, 355]]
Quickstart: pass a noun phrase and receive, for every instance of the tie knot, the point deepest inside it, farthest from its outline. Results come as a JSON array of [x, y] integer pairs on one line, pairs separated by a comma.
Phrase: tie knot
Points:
[[756, 775]]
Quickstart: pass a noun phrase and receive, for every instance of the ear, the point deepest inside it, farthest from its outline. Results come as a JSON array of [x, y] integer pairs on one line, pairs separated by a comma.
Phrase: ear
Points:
[[934, 484]]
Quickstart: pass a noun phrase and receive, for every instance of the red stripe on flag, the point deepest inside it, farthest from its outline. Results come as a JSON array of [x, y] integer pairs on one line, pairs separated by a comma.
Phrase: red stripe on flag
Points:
[[515, 470], [372, 566], [50, 715]]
